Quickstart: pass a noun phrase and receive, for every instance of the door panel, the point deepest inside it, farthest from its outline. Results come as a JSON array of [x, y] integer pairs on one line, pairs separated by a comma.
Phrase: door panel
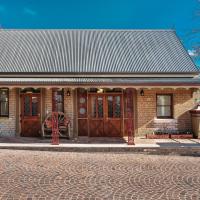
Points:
[[96, 128], [30, 115], [83, 127], [31, 128]]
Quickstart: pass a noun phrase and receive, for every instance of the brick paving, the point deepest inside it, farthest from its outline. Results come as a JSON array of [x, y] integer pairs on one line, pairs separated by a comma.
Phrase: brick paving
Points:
[[64, 175]]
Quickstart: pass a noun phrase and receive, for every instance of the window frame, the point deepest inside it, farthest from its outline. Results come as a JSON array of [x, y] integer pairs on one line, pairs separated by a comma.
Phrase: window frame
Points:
[[53, 100], [5, 101], [171, 106]]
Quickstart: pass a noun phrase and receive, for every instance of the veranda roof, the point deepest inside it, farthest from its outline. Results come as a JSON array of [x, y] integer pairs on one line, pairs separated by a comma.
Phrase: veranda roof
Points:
[[101, 81]]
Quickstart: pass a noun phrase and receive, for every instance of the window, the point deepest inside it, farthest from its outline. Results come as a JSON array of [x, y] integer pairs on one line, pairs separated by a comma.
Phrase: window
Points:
[[4, 100], [58, 100], [114, 106], [164, 106]]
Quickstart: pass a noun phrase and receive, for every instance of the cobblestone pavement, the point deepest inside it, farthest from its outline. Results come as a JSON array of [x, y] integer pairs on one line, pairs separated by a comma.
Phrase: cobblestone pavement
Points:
[[61, 175]]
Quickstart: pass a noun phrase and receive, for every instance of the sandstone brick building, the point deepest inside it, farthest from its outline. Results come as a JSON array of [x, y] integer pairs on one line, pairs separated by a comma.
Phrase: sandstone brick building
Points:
[[99, 78]]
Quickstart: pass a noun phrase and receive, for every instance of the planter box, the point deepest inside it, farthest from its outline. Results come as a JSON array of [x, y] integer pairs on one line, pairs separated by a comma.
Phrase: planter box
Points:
[[157, 136], [181, 136], [167, 136]]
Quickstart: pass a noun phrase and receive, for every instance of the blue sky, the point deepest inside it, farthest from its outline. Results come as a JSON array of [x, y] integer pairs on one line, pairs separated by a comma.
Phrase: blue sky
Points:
[[103, 14]]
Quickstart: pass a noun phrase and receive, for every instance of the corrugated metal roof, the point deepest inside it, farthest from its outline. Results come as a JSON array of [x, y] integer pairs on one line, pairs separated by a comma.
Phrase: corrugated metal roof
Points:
[[97, 81], [82, 51]]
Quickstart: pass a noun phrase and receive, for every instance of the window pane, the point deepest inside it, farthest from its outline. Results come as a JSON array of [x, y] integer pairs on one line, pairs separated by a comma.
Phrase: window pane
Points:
[[93, 101], [163, 111], [82, 111], [4, 108], [60, 107], [59, 98], [100, 107], [58, 104], [110, 106], [163, 100], [117, 107], [27, 101], [3, 95], [4, 102], [34, 106]]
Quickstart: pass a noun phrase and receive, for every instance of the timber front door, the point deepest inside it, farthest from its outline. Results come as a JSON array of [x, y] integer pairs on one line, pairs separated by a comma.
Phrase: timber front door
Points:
[[105, 115], [30, 115]]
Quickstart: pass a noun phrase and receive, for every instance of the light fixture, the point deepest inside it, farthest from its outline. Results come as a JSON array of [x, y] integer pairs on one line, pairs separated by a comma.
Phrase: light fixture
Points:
[[68, 93], [100, 90], [141, 92]]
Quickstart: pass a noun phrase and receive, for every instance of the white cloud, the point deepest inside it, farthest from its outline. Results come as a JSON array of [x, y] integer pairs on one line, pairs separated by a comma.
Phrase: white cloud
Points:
[[192, 53]]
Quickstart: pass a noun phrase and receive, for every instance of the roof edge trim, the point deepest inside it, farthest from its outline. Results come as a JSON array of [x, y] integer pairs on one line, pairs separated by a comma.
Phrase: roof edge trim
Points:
[[74, 75]]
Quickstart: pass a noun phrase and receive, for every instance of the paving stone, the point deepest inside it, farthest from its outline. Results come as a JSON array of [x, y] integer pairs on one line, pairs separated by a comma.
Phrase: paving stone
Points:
[[64, 175]]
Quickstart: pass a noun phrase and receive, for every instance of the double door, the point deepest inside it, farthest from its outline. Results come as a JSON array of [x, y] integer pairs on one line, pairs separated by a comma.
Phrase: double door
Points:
[[105, 115]]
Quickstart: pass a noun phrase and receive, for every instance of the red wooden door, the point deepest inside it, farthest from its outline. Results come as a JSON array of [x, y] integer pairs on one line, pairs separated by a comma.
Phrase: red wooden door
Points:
[[96, 115], [113, 116], [30, 115], [105, 115]]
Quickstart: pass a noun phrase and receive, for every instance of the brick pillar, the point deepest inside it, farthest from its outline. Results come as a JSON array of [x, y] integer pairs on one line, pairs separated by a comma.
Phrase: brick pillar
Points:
[[48, 100], [69, 107]]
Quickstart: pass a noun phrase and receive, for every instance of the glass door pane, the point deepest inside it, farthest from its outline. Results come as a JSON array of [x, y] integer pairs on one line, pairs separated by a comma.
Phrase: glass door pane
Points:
[[27, 102], [114, 106], [97, 107], [93, 107], [117, 107], [100, 107], [34, 106], [110, 106]]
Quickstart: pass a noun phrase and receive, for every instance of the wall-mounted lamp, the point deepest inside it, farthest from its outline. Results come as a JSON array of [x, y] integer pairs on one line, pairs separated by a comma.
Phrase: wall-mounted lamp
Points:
[[100, 90], [141, 92], [68, 93]]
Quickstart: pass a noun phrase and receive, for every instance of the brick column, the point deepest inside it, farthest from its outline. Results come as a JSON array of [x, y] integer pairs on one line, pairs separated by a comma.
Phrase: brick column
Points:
[[48, 100], [69, 107]]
